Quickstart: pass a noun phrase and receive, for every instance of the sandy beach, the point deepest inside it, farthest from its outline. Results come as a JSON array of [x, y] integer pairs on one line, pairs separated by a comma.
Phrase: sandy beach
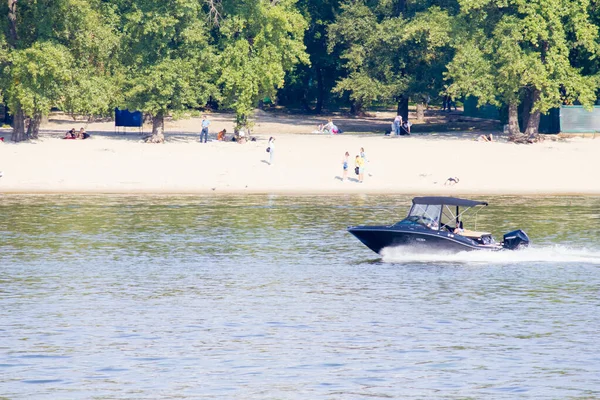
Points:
[[304, 163]]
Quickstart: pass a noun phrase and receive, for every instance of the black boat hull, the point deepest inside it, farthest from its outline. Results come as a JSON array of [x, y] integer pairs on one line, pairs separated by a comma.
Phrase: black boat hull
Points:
[[377, 238]]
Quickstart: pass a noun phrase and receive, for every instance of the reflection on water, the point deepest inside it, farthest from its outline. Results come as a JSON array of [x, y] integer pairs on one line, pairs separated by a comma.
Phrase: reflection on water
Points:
[[269, 297]]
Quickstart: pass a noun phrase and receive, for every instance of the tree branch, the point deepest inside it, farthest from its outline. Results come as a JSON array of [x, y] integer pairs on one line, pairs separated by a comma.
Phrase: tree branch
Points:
[[213, 10]]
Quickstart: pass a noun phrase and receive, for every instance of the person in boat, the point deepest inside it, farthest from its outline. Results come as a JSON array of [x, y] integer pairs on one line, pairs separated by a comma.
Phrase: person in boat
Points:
[[433, 224], [459, 228]]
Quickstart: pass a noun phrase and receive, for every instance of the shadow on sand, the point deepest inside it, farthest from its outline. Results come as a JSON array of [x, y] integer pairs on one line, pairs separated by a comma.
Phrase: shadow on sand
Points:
[[339, 178]]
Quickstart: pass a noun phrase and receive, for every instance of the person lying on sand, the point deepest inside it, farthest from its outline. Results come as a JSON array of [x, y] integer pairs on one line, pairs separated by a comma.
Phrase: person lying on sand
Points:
[[486, 138], [70, 134]]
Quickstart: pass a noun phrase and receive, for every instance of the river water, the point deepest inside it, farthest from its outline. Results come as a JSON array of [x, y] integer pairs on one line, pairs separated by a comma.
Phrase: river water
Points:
[[268, 297]]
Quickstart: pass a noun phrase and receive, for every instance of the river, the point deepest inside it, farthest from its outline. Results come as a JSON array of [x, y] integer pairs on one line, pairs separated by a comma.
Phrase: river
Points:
[[268, 297]]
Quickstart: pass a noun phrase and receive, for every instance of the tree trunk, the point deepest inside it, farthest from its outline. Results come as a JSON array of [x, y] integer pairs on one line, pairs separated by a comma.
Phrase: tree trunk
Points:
[[18, 133], [533, 122], [12, 23], [513, 122], [241, 121], [158, 129], [320, 91], [356, 107], [420, 111], [526, 107], [403, 107], [33, 129]]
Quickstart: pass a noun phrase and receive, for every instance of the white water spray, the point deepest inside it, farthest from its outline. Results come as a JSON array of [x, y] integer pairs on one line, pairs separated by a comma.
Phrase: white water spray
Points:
[[550, 254]]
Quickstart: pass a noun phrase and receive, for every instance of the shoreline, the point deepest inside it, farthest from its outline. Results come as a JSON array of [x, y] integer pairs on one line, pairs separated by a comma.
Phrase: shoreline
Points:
[[304, 164], [299, 193]]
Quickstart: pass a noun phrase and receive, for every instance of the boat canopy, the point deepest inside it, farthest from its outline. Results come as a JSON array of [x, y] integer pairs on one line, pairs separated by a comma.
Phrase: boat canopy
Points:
[[448, 201]]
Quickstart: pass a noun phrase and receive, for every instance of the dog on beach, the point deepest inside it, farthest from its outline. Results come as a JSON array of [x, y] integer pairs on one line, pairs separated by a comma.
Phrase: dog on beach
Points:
[[451, 181]]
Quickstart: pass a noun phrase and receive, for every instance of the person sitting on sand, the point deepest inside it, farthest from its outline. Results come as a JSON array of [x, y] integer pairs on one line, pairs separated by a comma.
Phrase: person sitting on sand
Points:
[[82, 134], [486, 138], [221, 135], [241, 136], [329, 127], [70, 134], [326, 128], [405, 127]]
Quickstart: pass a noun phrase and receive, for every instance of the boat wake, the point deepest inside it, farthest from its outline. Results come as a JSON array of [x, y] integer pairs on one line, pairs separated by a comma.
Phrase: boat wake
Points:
[[553, 254]]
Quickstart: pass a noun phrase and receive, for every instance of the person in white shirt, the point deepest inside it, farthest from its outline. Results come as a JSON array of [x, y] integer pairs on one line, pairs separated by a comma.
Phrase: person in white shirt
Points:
[[271, 150]]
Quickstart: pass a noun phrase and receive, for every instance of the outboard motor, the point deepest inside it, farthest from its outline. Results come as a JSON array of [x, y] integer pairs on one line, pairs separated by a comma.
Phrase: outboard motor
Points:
[[515, 240]]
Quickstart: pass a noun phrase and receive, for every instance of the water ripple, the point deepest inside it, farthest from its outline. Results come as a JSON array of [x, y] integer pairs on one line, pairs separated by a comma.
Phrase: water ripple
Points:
[[268, 297]]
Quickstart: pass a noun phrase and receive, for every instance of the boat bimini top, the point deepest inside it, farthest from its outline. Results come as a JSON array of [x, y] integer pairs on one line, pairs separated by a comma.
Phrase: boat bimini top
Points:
[[439, 212]]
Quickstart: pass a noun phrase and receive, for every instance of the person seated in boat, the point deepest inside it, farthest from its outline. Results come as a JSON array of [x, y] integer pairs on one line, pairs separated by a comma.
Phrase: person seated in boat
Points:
[[433, 224], [459, 228]]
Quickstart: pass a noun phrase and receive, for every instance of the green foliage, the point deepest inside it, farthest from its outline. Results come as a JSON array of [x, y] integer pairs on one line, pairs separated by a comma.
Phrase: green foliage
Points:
[[87, 56], [511, 47], [38, 76], [306, 83], [167, 56], [259, 42], [64, 57], [400, 55]]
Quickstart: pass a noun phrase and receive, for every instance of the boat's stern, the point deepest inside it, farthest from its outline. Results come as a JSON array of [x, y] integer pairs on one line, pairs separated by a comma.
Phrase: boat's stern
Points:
[[515, 240]]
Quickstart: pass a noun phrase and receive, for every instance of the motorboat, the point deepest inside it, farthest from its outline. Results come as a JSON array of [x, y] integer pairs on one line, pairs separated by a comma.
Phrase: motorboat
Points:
[[437, 223]]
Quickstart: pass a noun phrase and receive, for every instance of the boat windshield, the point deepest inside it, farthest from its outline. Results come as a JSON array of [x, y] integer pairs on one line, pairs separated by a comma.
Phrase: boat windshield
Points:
[[424, 214]]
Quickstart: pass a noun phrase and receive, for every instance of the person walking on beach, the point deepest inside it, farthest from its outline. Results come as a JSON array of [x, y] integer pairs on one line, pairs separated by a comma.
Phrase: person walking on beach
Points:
[[204, 132], [360, 164], [364, 158], [271, 148], [345, 162]]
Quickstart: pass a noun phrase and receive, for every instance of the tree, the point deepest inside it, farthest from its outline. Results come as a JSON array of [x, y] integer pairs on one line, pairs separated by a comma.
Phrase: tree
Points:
[[55, 46], [39, 74], [168, 57], [519, 50], [12, 42], [391, 51], [259, 41], [308, 83]]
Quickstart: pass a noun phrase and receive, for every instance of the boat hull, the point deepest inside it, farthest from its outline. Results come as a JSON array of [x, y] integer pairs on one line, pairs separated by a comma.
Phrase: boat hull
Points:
[[377, 238]]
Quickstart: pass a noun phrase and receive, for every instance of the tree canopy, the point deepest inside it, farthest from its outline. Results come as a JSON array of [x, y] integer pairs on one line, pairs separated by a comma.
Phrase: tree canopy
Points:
[[87, 57]]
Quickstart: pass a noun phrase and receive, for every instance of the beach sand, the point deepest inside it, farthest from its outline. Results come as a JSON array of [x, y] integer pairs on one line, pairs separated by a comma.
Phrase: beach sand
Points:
[[304, 163]]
